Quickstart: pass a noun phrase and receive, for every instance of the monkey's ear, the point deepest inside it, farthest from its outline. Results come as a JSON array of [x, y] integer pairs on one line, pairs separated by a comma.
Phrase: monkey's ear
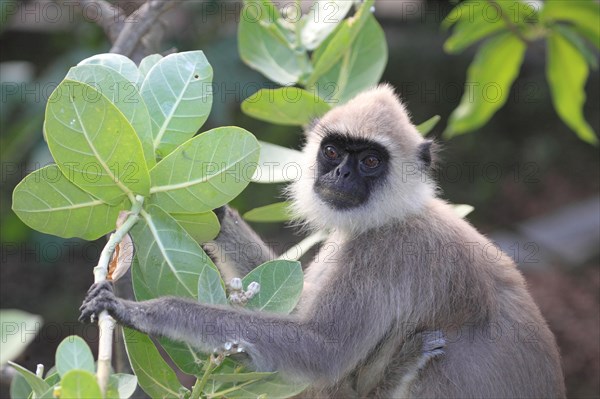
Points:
[[426, 152]]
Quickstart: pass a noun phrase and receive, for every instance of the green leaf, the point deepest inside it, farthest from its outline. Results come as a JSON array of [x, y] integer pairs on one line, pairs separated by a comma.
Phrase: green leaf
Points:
[[576, 41], [489, 78], [360, 66], [121, 386], [205, 172], [427, 126], [170, 260], [94, 145], [18, 330], [211, 288], [277, 212], [323, 17], [584, 15], [37, 384], [263, 45], [178, 94], [188, 359], [119, 63], [281, 283], [73, 353], [79, 384], [202, 227], [472, 22], [125, 96], [567, 72], [147, 63], [273, 387], [342, 39], [154, 375], [285, 106], [19, 388], [299, 249], [47, 202], [277, 164], [240, 377]]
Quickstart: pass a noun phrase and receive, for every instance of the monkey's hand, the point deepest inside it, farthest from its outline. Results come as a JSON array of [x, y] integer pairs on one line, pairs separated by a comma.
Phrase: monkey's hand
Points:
[[433, 345], [99, 297]]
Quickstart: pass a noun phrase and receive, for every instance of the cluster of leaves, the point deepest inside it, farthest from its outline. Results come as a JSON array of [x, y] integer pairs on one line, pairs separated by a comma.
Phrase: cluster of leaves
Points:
[[71, 377], [122, 136], [571, 30], [322, 58]]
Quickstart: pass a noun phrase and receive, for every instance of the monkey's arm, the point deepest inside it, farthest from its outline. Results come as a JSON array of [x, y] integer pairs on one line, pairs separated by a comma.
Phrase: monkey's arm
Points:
[[323, 347], [237, 249]]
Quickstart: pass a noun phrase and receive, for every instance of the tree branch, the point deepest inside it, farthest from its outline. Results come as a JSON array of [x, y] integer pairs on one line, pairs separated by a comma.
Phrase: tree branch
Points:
[[139, 24], [110, 18]]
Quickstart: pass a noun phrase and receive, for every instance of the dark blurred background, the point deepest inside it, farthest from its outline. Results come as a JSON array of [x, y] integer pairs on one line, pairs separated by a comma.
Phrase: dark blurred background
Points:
[[533, 183]]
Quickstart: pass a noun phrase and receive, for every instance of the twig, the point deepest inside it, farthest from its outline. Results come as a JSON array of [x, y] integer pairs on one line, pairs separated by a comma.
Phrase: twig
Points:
[[138, 24], [110, 17], [201, 383], [509, 23], [106, 324]]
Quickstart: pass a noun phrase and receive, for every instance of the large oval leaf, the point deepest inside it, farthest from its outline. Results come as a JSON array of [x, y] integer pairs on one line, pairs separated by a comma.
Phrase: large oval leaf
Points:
[[73, 353], [489, 78], [79, 384], [170, 260], [471, 24], [202, 227], [178, 94], [125, 96], [189, 359], [277, 212], [119, 63], [567, 72], [277, 164], [275, 387], [154, 375], [322, 18], [121, 386], [94, 145], [281, 283], [360, 66], [37, 384], [334, 48], [584, 15], [46, 201], [285, 106], [264, 46], [206, 172], [148, 63], [18, 330]]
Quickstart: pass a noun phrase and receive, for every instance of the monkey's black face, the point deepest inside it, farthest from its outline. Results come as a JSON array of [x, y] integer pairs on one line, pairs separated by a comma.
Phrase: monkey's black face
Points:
[[348, 169]]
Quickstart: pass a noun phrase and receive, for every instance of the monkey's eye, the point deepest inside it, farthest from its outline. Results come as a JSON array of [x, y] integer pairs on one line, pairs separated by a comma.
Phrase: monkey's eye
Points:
[[371, 162], [330, 152]]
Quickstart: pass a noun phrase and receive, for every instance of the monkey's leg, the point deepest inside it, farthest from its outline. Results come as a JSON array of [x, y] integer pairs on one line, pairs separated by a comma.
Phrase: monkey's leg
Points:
[[237, 249], [403, 369]]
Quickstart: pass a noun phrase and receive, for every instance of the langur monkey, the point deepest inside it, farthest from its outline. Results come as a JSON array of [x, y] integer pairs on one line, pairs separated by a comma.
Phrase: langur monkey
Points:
[[405, 265]]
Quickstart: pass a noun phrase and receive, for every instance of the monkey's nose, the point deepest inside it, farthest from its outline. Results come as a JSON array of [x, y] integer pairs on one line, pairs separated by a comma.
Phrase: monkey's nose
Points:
[[342, 171]]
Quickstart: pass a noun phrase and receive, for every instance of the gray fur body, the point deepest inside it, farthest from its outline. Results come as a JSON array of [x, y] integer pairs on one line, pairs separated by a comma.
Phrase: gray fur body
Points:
[[403, 264]]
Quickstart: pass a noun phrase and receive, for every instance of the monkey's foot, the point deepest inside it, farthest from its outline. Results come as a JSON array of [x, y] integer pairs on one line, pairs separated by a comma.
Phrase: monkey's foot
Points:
[[433, 344], [99, 297]]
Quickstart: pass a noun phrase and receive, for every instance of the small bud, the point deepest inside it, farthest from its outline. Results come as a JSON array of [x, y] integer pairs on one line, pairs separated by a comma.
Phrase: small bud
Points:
[[254, 287], [236, 284]]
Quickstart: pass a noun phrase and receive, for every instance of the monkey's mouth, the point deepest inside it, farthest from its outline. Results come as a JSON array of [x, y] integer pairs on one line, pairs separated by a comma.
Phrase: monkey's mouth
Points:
[[339, 199]]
